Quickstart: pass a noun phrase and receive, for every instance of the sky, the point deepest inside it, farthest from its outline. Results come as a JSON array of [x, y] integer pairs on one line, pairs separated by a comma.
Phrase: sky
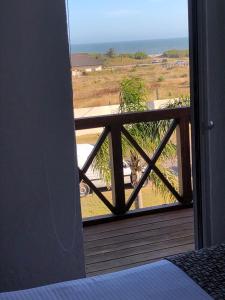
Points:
[[99, 21]]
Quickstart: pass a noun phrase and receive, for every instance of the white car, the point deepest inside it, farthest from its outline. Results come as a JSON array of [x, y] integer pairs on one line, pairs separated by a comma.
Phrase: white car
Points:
[[83, 152]]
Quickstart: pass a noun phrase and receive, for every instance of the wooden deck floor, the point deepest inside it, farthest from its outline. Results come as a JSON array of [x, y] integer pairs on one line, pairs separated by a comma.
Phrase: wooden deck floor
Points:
[[132, 242]]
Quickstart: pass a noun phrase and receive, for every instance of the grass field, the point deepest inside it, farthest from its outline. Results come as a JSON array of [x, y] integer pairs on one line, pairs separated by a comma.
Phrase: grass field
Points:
[[123, 61], [102, 88], [92, 206]]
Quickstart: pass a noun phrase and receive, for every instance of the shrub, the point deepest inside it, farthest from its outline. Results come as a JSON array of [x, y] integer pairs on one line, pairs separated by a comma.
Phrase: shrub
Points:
[[85, 73], [129, 55], [175, 53], [133, 94], [160, 79], [140, 55]]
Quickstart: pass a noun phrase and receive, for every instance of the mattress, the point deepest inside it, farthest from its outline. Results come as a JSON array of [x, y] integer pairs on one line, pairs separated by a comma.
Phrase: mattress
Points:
[[158, 281], [206, 267]]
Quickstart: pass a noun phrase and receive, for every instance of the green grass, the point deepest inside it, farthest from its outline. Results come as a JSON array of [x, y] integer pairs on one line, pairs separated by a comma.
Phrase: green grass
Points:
[[176, 53], [92, 206]]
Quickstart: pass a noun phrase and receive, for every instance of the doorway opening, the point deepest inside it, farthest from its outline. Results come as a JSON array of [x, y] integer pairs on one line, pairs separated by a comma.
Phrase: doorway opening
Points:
[[131, 84]]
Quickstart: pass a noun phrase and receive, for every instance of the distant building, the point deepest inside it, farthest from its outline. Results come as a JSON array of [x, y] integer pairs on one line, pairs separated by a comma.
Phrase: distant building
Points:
[[157, 61], [83, 62], [76, 73]]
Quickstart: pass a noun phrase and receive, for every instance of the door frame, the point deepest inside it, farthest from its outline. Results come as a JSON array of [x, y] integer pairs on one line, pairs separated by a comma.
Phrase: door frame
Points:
[[197, 76], [206, 32]]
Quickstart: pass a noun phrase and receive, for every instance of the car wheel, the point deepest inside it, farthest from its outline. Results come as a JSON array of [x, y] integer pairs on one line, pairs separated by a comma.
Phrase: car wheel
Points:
[[84, 190]]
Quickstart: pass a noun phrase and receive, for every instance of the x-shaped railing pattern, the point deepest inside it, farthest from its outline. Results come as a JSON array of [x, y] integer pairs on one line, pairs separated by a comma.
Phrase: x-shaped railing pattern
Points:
[[114, 131], [88, 163]]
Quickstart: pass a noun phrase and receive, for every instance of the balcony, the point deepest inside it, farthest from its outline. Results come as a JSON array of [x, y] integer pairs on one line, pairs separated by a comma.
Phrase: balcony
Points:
[[129, 236]]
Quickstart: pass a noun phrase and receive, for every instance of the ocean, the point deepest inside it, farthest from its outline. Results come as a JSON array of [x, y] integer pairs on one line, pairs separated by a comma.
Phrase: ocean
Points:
[[148, 46]]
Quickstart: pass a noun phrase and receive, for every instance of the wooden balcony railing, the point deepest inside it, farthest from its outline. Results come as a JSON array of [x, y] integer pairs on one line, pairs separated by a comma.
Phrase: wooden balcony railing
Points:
[[114, 129]]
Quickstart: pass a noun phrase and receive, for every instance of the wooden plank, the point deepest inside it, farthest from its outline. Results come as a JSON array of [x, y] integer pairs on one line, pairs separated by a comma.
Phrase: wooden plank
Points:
[[122, 244], [184, 161], [132, 118], [138, 258], [138, 242], [141, 235], [134, 229], [140, 228], [116, 165], [121, 268], [153, 210], [133, 251], [90, 230], [124, 267]]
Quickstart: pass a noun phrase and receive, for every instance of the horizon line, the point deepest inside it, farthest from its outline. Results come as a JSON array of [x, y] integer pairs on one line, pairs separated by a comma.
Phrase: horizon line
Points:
[[144, 40]]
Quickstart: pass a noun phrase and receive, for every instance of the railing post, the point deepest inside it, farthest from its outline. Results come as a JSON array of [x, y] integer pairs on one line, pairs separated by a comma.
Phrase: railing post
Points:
[[116, 163], [184, 161]]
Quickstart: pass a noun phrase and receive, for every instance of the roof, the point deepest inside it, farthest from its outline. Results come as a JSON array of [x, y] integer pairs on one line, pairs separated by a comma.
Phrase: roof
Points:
[[85, 60]]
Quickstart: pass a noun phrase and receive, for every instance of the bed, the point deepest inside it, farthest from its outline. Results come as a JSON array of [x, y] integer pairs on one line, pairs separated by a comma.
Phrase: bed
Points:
[[197, 275]]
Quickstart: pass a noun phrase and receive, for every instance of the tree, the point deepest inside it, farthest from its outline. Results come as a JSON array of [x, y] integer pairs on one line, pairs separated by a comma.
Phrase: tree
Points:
[[111, 53], [148, 136], [140, 55]]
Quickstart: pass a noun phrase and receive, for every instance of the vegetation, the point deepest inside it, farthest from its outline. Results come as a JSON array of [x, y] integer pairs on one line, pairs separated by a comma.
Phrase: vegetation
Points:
[[181, 102], [161, 78], [133, 95], [140, 55], [92, 206], [176, 53], [111, 53], [126, 55], [148, 135], [103, 88]]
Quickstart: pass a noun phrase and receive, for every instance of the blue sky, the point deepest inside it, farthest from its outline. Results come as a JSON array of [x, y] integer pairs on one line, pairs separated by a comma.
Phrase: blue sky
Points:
[[96, 21]]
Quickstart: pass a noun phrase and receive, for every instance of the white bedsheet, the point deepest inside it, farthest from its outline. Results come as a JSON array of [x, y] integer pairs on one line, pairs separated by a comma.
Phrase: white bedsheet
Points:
[[157, 281]]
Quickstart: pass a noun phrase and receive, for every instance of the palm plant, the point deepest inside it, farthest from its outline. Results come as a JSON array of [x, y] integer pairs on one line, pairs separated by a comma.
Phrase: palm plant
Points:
[[148, 135]]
